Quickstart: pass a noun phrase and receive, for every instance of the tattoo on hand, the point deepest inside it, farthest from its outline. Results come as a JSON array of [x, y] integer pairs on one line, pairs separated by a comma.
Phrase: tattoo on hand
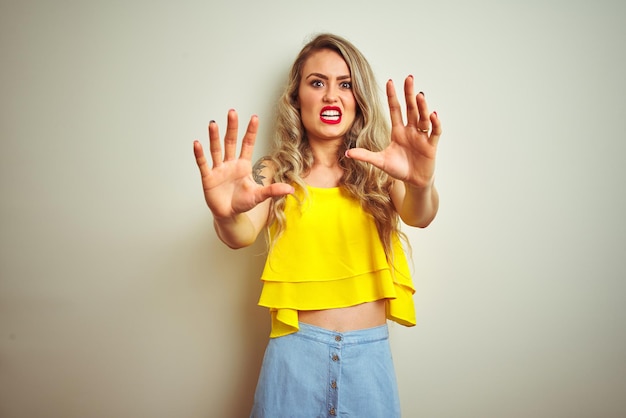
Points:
[[256, 172]]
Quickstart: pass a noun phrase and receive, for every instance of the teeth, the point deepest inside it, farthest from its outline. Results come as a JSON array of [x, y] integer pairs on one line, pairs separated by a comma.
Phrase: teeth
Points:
[[331, 113]]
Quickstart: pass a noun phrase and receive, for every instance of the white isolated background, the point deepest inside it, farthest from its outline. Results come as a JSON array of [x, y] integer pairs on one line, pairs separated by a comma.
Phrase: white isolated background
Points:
[[118, 300]]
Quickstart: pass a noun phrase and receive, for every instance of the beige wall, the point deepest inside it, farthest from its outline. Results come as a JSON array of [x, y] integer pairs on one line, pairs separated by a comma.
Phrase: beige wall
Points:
[[117, 300]]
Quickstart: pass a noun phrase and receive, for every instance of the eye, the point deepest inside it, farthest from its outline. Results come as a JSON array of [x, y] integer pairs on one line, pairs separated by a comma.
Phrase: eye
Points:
[[317, 83], [346, 85]]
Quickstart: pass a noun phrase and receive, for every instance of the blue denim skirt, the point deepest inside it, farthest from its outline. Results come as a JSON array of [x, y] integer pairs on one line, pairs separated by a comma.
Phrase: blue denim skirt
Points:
[[320, 373]]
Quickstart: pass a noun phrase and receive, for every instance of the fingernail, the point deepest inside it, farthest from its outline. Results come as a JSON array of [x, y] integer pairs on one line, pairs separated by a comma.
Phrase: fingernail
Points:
[[422, 93], [411, 76], [346, 153], [211, 121], [436, 114]]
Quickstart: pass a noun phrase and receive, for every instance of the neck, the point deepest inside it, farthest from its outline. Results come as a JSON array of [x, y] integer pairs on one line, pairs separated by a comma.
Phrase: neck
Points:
[[325, 172], [325, 153]]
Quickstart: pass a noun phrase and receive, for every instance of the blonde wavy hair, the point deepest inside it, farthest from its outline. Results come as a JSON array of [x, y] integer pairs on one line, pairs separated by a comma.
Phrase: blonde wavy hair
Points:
[[292, 156]]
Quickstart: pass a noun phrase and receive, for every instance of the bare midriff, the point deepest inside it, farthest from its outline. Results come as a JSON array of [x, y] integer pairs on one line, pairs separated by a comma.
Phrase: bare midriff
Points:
[[352, 318]]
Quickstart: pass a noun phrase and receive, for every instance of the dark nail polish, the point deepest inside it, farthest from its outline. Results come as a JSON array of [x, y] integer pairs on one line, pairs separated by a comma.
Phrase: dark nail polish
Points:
[[422, 93]]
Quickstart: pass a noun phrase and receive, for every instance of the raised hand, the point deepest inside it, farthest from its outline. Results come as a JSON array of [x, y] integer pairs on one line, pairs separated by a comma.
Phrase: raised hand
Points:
[[229, 187], [410, 156]]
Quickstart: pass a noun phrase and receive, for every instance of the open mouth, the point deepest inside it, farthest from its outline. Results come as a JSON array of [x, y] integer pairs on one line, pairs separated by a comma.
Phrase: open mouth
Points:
[[330, 115]]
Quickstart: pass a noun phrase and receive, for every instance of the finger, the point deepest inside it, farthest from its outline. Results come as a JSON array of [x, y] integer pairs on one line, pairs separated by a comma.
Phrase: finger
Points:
[[394, 106], [436, 131], [422, 107], [412, 113], [200, 158], [362, 154], [215, 147], [247, 147], [273, 190], [230, 140]]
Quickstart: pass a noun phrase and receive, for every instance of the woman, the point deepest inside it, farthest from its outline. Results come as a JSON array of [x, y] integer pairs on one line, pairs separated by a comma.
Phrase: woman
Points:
[[339, 182]]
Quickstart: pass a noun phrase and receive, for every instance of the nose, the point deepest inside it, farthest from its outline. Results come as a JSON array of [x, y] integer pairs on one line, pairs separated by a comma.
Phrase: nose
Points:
[[331, 94]]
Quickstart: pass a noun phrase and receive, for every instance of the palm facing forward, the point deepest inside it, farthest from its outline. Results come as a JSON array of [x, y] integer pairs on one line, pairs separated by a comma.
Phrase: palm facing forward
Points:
[[229, 188], [410, 157]]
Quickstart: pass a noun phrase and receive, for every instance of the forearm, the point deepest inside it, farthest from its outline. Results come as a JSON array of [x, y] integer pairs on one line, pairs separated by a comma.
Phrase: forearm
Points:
[[420, 205], [237, 231]]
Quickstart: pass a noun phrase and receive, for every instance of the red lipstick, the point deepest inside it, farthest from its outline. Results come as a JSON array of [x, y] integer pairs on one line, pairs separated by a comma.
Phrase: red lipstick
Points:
[[330, 115]]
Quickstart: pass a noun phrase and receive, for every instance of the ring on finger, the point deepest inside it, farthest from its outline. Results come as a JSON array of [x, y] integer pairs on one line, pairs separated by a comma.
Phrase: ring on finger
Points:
[[422, 130]]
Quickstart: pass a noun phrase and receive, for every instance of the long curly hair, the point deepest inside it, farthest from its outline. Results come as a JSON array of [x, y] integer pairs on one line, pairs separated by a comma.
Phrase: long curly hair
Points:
[[292, 156]]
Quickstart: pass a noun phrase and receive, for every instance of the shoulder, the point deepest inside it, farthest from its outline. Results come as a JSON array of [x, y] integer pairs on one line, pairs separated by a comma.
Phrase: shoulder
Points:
[[263, 171]]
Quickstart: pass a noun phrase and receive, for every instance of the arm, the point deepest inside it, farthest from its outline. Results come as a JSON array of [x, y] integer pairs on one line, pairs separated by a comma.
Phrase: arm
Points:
[[239, 204], [410, 157], [417, 206], [242, 229]]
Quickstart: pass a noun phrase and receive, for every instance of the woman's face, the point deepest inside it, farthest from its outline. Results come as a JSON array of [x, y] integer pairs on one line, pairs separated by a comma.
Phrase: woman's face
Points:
[[325, 98]]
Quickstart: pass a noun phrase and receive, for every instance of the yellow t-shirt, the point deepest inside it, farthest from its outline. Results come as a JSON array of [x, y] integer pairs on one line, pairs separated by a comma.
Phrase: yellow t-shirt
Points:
[[330, 256]]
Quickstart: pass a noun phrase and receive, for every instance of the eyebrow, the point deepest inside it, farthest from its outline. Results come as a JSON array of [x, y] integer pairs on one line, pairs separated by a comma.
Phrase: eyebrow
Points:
[[324, 77]]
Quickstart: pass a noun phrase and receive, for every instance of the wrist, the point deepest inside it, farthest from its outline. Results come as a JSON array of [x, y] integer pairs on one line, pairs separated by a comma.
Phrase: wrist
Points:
[[421, 187], [236, 231]]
